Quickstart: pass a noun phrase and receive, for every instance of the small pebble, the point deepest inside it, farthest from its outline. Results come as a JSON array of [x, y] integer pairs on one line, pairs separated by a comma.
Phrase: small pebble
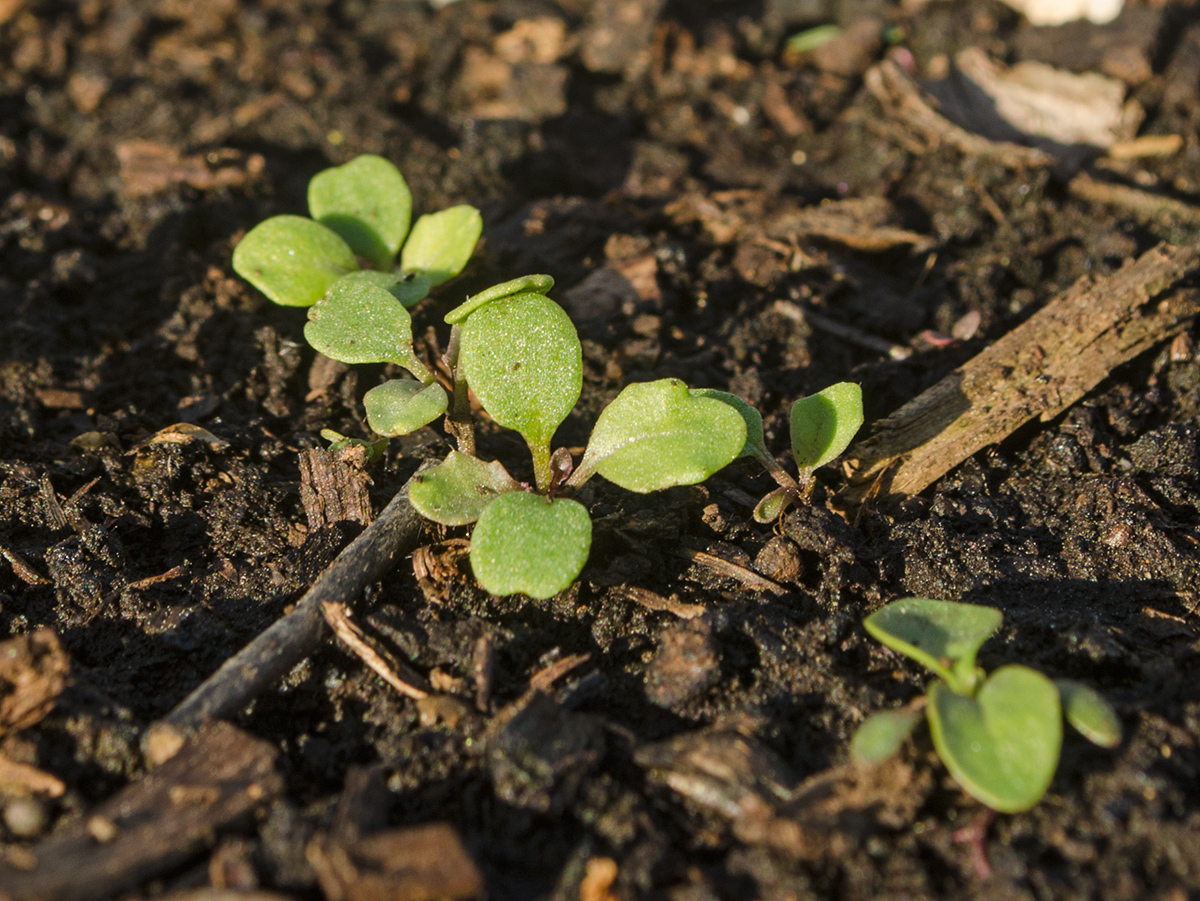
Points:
[[26, 817]]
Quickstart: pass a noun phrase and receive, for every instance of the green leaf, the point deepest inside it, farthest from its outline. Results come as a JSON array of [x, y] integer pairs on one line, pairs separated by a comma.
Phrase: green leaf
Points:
[[367, 202], [524, 543], [455, 491], [937, 634], [401, 406], [1089, 713], [523, 360], [292, 260], [441, 243], [410, 288], [824, 424], [658, 434], [1002, 746], [881, 735], [360, 322], [771, 507], [756, 443], [526, 284]]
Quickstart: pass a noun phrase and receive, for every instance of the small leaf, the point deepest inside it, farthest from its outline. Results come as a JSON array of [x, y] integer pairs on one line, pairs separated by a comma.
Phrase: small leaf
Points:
[[881, 735], [771, 507], [657, 434], [401, 406], [360, 322], [936, 634], [410, 288], [526, 284], [292, 260], [1001, 746], [756, 443], [367, 202], [1089, 713], [524, 543], [824, 424], [455, 491], [441, 243], [523, 360]]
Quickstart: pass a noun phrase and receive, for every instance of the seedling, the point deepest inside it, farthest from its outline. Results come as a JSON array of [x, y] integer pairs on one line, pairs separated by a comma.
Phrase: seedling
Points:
[[519, 354], [1000, 734], [822, 426], [360, 211]]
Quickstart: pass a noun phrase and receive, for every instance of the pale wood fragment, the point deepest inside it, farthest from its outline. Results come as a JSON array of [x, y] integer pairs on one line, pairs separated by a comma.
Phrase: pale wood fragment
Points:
[[1037, 370]]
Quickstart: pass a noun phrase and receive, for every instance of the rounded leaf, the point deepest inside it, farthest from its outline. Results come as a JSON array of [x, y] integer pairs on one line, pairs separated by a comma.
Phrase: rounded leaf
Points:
[[360, 322], [292, 260], [756, 443], [1089, 713], [771, 507], [1002, 745], [367, 202], [401, 406], [455, 491], [441, 243], [526, 284], [524, 543], [523, 360], [824, 424], [881, 735], [410, 288], [658, 434], [944, 636]]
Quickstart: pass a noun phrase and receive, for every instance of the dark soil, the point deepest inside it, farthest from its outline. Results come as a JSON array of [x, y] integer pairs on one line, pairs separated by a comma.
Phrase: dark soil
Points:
[[139, 140]]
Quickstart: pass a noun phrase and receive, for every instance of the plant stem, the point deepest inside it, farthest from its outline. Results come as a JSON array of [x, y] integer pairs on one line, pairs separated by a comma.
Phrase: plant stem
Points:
[[458, 419], [542, 471]]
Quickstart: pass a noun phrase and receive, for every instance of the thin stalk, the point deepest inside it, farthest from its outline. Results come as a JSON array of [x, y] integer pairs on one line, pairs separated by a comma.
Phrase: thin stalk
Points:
[[543, 473], [458, 419]]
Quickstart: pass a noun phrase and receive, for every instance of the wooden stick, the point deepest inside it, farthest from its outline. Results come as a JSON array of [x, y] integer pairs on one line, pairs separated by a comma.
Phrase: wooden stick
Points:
[[1037, 370], [294, 636]]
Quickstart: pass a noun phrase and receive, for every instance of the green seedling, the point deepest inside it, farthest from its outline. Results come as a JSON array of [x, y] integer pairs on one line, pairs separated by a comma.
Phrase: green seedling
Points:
[[999, 734], [822, 426], [360, 211], [518, 353]]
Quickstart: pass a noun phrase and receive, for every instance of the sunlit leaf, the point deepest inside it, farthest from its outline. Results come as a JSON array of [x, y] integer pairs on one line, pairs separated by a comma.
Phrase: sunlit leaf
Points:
[[756, 444], [360, 322], [771, 507], [410, 288], [367, 202], [1089, 713], [455, 491], [441, 243], [824, 424], [526, 284], [937, 634], [881, 735], [1002, 745], [401, 406], [658, 434], [292, 260], [526, 544], [522, 358]]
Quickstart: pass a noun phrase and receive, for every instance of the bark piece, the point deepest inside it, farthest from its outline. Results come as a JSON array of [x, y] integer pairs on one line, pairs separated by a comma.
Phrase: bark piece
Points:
[[1037, 370], [33, 672], [417, 863], [334, 486], [156, 823], [688, 663]]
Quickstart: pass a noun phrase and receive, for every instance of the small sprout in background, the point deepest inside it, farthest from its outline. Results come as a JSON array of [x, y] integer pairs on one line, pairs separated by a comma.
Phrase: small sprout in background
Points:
[[362, 209], [822, 427], [338, 441], [1000, 734]]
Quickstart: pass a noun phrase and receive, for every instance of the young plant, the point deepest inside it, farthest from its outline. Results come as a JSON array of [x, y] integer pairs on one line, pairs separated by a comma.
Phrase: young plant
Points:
[[999, 734], [519, 354], [822, 426], [360, 211]]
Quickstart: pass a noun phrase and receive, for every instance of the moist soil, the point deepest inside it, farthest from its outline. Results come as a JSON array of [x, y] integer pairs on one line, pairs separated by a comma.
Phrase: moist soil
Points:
[[154, 410]]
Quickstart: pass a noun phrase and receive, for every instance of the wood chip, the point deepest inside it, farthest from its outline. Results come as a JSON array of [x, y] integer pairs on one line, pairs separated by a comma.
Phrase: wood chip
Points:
[[150, 834], [334, 486], [1035, 371], [33, 672], [652, 601], [747, 577]]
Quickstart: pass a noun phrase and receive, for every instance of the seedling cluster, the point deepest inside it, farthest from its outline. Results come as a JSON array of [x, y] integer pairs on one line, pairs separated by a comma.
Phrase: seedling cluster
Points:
[[999, 734]]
